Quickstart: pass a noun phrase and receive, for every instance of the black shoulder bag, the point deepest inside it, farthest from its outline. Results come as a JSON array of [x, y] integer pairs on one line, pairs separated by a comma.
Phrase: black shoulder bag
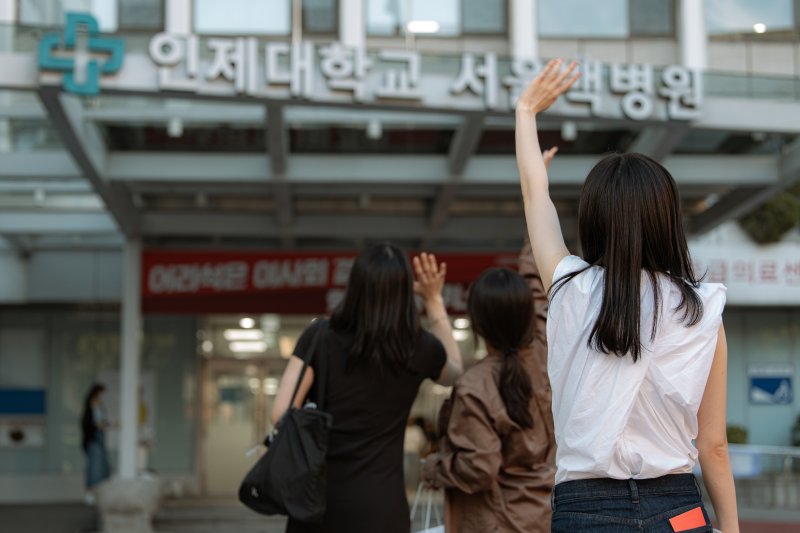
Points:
[[290, 478]]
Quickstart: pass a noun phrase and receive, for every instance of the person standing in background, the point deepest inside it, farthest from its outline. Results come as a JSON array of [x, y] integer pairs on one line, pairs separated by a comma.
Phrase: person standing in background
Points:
[[93, 428]]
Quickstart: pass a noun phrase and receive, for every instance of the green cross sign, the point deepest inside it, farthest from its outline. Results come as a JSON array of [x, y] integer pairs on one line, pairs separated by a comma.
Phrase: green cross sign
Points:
[[89, 84]]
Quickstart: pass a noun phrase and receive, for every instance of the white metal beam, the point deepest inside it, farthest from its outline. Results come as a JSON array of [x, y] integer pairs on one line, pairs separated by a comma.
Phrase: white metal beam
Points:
[[463, 145], [325, 227], [204, 168], [36, 222], [659, 141], [45, 165], [741, 201], [85, 144], [278, 149]]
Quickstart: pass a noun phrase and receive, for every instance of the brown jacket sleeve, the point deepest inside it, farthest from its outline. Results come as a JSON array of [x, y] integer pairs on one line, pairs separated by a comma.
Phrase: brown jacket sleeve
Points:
[[474, 455], [528, 270]]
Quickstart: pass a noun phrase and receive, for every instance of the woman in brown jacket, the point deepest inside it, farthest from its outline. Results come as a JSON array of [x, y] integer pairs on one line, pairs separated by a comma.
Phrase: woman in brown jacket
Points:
[[498, 458]]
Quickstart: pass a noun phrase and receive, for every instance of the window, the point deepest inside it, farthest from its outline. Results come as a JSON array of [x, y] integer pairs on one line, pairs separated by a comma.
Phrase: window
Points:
[[652, 17], [484, 16], [320, 16], [112, 15], [52, 12], [141, 14], [243, 17], [607, 19], [263, 17], [729, 17], [451, 17]]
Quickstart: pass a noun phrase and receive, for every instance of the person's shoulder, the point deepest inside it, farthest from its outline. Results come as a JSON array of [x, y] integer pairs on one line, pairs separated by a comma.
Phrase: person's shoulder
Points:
[[479, 379], [427, 341], [574, 280]]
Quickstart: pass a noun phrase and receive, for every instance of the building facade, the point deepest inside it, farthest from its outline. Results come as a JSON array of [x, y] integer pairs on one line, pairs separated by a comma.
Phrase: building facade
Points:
[[204, 171]]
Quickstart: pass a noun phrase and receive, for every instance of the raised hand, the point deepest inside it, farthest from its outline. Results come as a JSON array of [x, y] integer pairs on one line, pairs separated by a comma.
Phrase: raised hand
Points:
[[430, 276], [545, 88], [548, 156]]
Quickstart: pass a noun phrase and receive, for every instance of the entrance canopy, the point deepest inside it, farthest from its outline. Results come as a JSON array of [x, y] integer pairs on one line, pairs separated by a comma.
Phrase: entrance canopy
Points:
[[238, 143]]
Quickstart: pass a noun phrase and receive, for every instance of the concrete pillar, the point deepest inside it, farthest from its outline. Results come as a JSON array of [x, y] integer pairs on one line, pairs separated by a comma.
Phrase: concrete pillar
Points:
[[524, 30], [692, 34], [130, 344], [8, 11], [178, 17], [352, 23]]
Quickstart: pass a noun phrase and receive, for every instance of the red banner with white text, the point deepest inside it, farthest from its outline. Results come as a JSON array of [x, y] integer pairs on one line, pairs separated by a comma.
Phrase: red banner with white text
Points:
[[276, 282]]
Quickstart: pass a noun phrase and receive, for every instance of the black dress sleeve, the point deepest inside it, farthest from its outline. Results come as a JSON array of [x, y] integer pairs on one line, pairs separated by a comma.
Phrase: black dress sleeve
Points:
[[305, 340], [430, 356]]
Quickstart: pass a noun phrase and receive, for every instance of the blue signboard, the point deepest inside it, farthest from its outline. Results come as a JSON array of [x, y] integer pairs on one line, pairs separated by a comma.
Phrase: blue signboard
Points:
[[771, 384], [18, 402]]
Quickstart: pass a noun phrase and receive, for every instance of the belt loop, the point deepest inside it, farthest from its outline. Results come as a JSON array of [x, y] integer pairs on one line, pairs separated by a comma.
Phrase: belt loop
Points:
[[634, 491], [553, 500]]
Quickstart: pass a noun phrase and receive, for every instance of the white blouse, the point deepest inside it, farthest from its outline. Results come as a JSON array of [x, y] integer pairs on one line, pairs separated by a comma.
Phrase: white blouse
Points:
[[619, 419]]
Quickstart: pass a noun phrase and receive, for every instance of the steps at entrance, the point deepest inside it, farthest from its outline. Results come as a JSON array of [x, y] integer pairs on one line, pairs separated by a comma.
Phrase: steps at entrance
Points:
[[214, 516]]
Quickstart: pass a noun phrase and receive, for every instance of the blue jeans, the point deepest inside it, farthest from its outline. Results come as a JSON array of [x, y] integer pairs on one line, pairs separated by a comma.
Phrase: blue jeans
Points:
[[97, 467], [618, 506]]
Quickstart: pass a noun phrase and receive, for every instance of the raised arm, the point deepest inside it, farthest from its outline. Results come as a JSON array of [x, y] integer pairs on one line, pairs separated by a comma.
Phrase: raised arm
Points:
[[429, 285], [540, 213]]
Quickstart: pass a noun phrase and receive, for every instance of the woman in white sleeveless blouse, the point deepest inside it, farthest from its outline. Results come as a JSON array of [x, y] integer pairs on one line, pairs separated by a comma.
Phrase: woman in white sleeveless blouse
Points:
[[637, 352]]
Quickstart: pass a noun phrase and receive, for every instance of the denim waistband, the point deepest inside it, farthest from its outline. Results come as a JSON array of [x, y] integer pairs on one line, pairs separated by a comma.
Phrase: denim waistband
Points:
[[625, 488]]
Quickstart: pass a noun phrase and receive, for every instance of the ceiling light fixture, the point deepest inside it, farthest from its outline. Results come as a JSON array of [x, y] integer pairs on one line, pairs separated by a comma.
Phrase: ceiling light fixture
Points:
[[422, 26], [248, 346], [243, 334]]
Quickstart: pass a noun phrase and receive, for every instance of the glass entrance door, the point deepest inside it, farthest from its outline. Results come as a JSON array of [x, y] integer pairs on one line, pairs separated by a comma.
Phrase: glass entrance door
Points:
[[237, 403]]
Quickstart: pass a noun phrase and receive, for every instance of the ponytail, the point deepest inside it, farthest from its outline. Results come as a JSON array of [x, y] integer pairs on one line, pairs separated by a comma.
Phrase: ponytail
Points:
[[500, 306], [516, 389]]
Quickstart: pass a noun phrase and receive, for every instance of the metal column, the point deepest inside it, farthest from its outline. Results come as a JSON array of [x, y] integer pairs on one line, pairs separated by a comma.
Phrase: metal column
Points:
[[130, 358]]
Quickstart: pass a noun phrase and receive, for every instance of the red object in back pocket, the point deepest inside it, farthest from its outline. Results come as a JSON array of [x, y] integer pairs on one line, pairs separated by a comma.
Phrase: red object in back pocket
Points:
[[688, 520]]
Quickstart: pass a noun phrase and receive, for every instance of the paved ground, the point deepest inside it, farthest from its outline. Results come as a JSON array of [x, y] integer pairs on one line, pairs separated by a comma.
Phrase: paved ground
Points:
[[215, 516]]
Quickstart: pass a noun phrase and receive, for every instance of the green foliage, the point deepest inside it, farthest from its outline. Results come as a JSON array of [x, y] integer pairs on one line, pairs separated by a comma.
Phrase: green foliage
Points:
[[737, 434], [770, 222]]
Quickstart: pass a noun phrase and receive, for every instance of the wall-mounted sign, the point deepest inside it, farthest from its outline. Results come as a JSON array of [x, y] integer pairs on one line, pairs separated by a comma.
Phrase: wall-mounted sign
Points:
[[332, 72], [754, 275], [771, 383], [81, 68], [307, 70], [292, 283]]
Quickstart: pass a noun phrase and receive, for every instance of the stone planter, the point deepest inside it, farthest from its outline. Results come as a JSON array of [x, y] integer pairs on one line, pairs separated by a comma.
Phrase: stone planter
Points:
[[128, 505]]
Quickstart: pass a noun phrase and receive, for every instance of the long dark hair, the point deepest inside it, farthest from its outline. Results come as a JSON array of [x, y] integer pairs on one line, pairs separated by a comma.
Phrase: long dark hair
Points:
[[500, 308], [379, 309], [88, 425], [630, 222]]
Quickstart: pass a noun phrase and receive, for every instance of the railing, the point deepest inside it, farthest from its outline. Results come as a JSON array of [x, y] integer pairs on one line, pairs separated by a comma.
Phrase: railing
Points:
[[766, 477]]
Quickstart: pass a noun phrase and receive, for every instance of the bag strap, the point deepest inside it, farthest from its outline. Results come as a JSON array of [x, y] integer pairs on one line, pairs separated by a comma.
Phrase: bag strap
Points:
[[322, 366]]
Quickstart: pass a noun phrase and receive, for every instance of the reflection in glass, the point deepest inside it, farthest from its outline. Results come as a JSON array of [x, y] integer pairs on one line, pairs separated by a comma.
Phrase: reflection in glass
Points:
[[454, 17], [52, 12], [748, 16], [484, 16], [652, 17], [320, 16], [243, 17], [583, 18], [141, 14]]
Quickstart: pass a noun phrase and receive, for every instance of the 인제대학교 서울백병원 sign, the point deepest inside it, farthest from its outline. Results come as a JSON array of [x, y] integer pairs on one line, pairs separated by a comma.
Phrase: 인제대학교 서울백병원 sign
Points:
[[247, 67]]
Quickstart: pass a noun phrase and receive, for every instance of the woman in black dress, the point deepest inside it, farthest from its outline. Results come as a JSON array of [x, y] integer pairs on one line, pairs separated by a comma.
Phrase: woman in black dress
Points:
[[377, 358]]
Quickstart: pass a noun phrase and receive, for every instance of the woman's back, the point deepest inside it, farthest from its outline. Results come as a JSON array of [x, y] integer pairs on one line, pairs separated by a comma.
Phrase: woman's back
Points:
[[615, 417], [370, 409]]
